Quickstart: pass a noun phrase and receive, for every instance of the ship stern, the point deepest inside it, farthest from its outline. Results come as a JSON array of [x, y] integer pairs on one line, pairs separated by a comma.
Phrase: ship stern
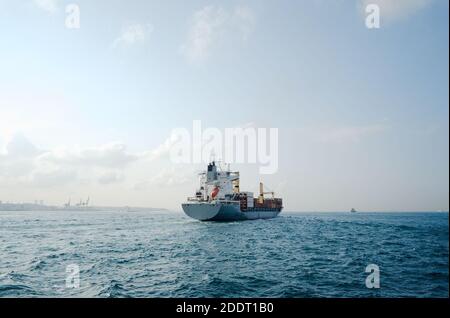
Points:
[[201, 211]]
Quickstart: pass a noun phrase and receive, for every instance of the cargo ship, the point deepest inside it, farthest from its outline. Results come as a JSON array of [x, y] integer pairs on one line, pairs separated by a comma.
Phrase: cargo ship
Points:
[[219, 198]]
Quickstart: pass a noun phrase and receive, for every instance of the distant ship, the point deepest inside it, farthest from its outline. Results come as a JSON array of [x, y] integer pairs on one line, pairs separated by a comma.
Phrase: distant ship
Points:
[[219, 198], [353, 210]]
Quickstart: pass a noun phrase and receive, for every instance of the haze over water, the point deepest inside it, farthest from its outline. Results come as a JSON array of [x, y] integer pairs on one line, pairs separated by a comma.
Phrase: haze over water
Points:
[[166, 254]]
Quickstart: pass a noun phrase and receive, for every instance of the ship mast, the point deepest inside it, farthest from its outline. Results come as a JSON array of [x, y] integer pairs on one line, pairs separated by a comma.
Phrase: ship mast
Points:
[[261, 193]]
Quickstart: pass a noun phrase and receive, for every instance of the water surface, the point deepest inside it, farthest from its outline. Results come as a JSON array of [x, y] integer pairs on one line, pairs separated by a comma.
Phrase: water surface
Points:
[[166, 254]]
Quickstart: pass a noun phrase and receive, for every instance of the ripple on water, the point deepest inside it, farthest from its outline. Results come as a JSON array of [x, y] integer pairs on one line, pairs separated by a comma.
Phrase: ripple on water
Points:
[[147, 254]]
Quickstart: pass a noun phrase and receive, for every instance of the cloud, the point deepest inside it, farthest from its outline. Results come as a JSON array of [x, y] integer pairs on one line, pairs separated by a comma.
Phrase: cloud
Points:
[[19, 147], [163, 149], [54, 177], [17, 159], [171, 176], [50, 6], [206, 26], [394, 10], [211, 24], [111, 155], [111, 177], [15, 168], [133, 34], [245, 20], [167, 177], [22, 162]]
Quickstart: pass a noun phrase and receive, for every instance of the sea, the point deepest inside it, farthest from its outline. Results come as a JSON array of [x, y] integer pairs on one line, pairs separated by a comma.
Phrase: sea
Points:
[[167, 254]]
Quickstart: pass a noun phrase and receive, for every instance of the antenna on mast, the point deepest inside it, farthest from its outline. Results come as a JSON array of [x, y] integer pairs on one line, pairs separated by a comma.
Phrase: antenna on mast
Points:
[[212, 156]]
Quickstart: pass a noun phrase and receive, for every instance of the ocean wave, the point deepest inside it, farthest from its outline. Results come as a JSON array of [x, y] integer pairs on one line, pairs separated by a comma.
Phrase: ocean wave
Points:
[[300, 255], [16, 290]]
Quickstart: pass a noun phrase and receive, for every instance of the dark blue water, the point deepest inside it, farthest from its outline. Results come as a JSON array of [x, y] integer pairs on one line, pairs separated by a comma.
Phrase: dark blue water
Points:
[[165, 254]]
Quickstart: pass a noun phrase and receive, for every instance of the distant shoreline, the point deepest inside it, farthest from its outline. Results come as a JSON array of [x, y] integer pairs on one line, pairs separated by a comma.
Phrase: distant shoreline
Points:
[[24, 207], [10, 207]]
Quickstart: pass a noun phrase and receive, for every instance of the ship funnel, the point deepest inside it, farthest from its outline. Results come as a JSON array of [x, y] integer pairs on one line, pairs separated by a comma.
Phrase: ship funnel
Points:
[[211, 173]]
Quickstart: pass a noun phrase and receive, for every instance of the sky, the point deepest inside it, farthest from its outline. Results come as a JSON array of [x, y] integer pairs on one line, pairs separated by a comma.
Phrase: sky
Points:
[[362, 113]]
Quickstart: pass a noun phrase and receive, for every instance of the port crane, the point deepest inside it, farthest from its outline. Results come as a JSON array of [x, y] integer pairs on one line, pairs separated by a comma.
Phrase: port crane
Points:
[[262, 193]]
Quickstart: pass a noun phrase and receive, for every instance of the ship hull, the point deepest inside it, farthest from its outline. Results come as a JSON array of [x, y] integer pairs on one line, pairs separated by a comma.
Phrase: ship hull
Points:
[[225, 212]]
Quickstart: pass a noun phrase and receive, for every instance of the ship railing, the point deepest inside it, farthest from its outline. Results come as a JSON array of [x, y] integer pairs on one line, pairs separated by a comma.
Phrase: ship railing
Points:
[[226, 201], [195, 199]]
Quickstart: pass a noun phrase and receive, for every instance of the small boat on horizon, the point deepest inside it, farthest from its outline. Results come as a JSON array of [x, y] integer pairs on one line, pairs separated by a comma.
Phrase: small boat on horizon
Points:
[[353, 210]]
